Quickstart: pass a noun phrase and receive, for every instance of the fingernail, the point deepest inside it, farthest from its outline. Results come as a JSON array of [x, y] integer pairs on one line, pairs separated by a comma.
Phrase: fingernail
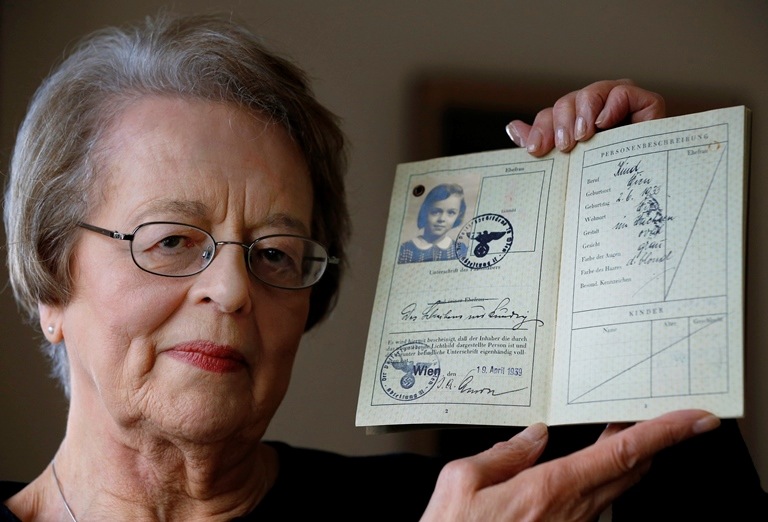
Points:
[[581, 128], [707, 423], [534, 141], [599, 119], [560, 138], [514, 135], [535, 433]]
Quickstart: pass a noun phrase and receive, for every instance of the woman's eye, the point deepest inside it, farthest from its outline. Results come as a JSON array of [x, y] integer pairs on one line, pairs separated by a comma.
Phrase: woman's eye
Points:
[[172, 242], [276, 261], [275, 256], [279, 260], [178, 244]]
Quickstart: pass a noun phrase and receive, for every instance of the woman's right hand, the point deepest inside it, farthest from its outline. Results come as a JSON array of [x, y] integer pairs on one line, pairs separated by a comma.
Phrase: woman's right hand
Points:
[[577, 115], [502, 483]]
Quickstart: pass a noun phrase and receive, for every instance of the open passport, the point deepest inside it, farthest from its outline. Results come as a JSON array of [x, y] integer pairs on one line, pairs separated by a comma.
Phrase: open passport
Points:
[[603, 285]]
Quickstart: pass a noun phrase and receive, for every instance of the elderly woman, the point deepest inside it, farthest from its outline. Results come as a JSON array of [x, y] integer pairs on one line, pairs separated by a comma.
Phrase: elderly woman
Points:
[[175, 217]]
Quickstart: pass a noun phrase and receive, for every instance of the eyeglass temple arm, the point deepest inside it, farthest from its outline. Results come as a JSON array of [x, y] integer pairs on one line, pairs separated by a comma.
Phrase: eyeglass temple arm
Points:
[[114, 234]]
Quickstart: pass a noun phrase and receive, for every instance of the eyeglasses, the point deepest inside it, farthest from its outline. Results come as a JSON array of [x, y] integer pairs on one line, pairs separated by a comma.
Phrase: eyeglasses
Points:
[[179, 250]]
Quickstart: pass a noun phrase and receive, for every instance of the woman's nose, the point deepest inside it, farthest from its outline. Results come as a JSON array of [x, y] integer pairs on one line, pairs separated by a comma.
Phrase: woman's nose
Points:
[[226, 281]]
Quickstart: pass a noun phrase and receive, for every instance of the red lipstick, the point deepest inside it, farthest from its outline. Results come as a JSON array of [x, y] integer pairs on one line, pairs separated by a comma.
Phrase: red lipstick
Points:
[[208, 356]]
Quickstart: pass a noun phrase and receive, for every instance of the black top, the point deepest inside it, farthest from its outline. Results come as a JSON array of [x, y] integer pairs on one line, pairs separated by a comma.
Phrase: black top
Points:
[[709, 477], [329, 486]]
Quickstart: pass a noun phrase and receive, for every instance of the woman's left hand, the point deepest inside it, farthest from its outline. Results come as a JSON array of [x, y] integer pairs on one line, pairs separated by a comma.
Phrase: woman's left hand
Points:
[[505, 482], [579, 114]]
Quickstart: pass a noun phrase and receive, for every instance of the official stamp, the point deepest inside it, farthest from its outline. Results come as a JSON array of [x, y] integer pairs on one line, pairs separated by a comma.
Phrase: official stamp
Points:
[[484, 241], [410, 371]]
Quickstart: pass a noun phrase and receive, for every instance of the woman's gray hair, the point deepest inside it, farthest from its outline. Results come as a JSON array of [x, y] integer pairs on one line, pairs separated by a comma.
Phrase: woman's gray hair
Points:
[[53, 168]]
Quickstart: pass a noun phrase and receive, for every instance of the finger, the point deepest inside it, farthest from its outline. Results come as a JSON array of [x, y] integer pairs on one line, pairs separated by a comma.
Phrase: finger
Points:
[[589, 103], [507, 458], [627, 101], [563, 122], [601, 497], [623, 451], [465, 478], [518, 130], [613, 428], [500, 462], [541, 137]]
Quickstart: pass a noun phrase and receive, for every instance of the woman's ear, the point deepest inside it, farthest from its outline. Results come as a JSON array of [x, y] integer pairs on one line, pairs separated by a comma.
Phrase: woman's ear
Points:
[[50, 322]]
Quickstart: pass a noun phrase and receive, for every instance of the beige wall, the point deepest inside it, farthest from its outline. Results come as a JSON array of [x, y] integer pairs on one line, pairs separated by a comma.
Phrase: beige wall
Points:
[[362, 55]]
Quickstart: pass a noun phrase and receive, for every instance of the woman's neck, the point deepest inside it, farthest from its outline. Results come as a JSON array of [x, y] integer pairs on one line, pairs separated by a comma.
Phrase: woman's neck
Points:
[[116, 474], [85, 491]]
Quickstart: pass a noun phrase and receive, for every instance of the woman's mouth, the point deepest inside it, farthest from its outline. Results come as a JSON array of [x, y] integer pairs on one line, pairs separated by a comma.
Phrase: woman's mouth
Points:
[[208, 356]]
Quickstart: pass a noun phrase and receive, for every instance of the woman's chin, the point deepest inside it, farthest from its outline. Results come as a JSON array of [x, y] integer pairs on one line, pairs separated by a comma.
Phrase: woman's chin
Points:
[[209, 423], [203, 411]]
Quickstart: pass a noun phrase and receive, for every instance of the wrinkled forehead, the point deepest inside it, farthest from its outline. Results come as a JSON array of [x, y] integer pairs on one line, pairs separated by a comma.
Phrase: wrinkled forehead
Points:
[[199, 152]]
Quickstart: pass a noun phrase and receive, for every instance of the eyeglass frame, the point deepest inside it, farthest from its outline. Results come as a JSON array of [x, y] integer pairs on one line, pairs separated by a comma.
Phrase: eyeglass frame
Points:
[[114, 234]]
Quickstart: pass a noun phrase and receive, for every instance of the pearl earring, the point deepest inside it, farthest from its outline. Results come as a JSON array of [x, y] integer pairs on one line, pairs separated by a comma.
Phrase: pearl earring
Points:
[[50, 328]]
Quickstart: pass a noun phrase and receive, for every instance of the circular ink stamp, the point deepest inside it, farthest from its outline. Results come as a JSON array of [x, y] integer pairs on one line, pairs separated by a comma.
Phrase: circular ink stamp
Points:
[[484, 241], [410, 371]]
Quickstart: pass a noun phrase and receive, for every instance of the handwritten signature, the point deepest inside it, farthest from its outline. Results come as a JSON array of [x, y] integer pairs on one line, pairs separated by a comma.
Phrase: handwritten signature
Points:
[[465, 386], [444, 310]]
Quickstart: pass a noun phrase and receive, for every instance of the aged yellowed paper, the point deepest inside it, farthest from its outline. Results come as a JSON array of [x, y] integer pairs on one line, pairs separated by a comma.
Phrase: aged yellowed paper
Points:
[[601, 285]]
